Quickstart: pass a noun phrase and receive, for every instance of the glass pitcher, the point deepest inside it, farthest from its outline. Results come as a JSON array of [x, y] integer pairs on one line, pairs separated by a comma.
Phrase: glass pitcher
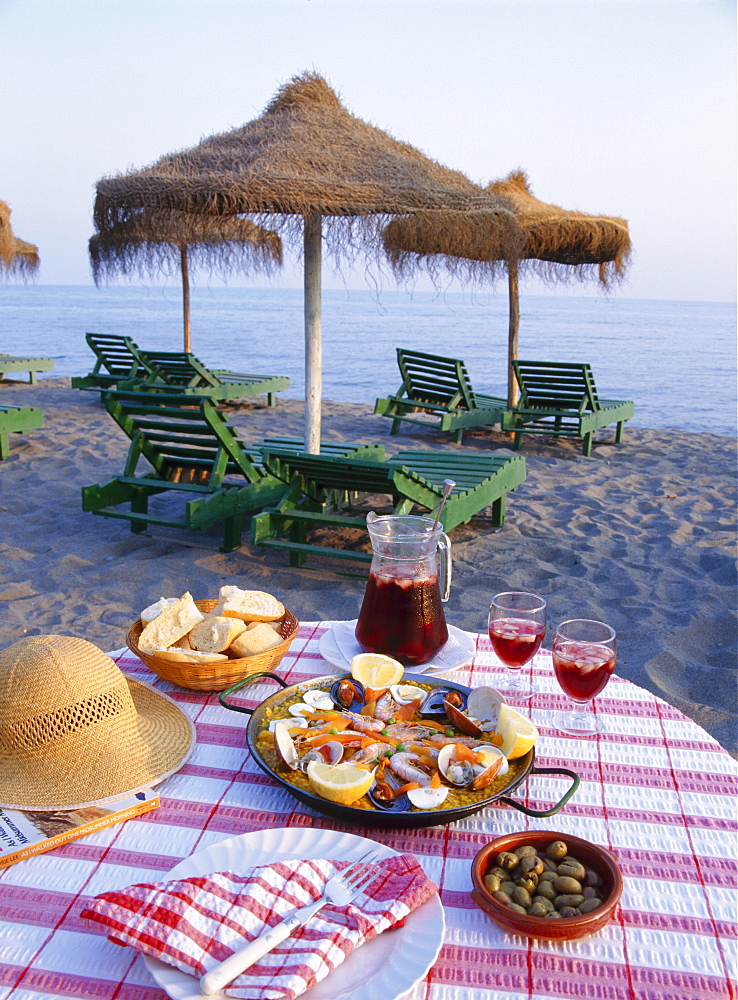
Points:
[[402, 611]]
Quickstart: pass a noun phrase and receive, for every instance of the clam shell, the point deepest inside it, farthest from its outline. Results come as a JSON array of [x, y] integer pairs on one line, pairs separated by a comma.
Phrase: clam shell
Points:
[[285, 748]]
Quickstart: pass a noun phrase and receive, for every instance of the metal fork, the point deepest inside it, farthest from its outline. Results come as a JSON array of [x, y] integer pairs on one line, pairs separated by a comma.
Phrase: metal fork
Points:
[[340, 890]]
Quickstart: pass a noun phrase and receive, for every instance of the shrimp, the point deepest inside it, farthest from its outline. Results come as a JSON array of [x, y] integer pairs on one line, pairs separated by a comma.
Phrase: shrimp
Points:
[[363, 723], [368, 754], [441, 741], [408, 767], [386, 707], [407, 731]]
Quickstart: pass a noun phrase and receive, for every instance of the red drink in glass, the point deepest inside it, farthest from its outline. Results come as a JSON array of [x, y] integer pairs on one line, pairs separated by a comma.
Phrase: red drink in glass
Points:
[[582, 668], [402, 618], [516, 640]]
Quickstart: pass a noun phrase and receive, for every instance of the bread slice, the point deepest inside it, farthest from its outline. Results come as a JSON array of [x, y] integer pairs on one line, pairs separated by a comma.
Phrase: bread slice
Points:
[[248, 605], [175, 621], [215, 634], [189, 656], [154, 610], [255, 640]]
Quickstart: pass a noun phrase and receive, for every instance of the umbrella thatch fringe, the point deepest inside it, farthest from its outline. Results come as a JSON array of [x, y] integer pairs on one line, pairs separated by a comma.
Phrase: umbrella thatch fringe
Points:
[[305, 154], [17, 258], [150, 243]]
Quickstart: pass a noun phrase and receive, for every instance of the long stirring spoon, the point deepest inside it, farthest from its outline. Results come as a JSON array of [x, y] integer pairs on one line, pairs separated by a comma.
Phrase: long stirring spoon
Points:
[[448, 485]]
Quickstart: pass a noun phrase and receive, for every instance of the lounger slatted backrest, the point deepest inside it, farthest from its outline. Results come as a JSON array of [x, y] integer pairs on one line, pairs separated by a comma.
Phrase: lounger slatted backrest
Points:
[[431, 378], [117, 354], [184, 438], [553, 385], [177, 368]]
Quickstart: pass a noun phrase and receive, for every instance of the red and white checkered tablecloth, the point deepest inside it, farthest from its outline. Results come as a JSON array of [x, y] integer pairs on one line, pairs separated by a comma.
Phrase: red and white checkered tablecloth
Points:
[[656, 790]]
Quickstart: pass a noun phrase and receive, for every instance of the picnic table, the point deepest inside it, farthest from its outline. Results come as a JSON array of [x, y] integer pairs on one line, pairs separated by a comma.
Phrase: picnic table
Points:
[[655, 789]]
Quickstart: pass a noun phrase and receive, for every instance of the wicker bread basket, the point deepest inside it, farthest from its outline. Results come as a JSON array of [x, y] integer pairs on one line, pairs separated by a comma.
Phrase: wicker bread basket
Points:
[[214, 676]]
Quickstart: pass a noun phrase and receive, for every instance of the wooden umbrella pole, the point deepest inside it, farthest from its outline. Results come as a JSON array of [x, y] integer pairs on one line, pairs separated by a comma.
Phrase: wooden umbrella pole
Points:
[[186, 298], [513, 331], [313, 332]]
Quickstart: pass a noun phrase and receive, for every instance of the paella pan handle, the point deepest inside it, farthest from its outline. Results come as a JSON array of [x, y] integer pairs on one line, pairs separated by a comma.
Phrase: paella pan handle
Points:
[[559, 805], [248, 680]]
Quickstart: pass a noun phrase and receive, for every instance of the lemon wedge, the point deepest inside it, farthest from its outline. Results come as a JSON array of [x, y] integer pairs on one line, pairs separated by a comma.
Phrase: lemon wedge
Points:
[[343, 785], [375, 670], [518, 733]]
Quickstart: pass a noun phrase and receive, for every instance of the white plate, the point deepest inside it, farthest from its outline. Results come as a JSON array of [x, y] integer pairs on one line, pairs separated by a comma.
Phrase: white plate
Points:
[[386, 967], [329, 651]]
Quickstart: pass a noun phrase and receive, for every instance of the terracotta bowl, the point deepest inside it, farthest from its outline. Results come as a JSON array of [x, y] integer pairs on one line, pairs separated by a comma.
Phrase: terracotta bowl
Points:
[[566, 928]]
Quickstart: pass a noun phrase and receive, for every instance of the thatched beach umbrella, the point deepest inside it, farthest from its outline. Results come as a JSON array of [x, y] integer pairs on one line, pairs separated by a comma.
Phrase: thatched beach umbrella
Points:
[[156, 241], [317, 173], [17, 258], [556, 244]]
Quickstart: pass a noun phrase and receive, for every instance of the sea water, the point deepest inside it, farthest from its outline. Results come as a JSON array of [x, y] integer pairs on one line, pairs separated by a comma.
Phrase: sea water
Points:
[[675, 360]]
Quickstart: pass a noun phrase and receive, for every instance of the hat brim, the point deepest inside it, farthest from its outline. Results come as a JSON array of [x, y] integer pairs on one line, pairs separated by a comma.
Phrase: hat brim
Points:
[[166, 738]]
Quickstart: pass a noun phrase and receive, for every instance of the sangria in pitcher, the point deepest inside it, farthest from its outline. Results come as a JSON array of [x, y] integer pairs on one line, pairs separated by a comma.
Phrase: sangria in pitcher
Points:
[[402, 611]]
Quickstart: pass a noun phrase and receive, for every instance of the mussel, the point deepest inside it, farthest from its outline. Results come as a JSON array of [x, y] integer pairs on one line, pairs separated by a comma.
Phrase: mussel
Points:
[[439, 699], [348, 695], [382, 793]]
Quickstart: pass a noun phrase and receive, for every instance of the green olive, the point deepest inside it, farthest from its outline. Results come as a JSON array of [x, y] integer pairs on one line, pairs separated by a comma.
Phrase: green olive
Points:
[[491, 883], [557, 850], [507, 860], [544, 902], [590, 904], [591, 877], [531, 863], [502, 897], [553, 914], [537, 910], [565, 884], [507, 885], [522, 851], [499, 872], [546, 890], [521, 896], [569, 911], [518, 908], [568, 899], [547, 876], [529, 881], [572, 869]]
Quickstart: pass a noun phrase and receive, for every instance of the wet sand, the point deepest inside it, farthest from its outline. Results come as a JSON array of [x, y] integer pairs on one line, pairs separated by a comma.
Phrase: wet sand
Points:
[[641, 535]]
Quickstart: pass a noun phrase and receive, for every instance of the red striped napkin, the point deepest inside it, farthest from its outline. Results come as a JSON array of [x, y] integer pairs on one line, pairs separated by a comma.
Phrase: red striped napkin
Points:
[[194, 923]]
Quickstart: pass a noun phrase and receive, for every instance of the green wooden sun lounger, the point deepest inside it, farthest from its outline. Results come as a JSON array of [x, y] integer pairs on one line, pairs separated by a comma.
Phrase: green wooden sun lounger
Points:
[[440, 387], [17, 420], [409, 477], [560, 399], [190, 450], [184, 373], [117, 360], [13, 363]]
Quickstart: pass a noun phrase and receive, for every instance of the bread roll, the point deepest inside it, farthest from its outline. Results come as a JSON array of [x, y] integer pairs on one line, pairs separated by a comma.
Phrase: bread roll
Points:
[[248, 605], [189, 655], [255, 640], [175, 621], [215, 634], [154, 610]]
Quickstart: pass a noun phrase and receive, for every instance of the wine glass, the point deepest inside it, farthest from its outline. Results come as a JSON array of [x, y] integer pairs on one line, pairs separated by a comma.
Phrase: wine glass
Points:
[[516, 625], [583, 659]]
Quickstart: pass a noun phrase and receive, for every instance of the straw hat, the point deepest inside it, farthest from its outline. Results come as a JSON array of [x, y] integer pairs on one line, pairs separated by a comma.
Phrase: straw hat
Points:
[[75, 730]]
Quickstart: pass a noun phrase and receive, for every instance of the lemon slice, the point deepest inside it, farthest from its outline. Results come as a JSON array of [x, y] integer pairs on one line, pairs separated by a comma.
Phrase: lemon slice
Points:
[[375, 670], [343, 785], [518, 733]]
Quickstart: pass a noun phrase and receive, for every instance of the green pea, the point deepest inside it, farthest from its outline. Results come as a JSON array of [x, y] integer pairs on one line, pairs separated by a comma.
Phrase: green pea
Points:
[[332, 732], [391, 721], [450, 732], [400, 746], [385, 732]]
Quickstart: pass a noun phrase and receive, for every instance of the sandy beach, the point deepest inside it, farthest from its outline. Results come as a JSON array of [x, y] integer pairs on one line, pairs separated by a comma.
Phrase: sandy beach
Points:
[[641, 535]]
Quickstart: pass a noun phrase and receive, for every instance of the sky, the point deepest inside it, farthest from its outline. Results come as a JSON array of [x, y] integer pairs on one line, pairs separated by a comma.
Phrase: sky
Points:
[[614, 107]]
